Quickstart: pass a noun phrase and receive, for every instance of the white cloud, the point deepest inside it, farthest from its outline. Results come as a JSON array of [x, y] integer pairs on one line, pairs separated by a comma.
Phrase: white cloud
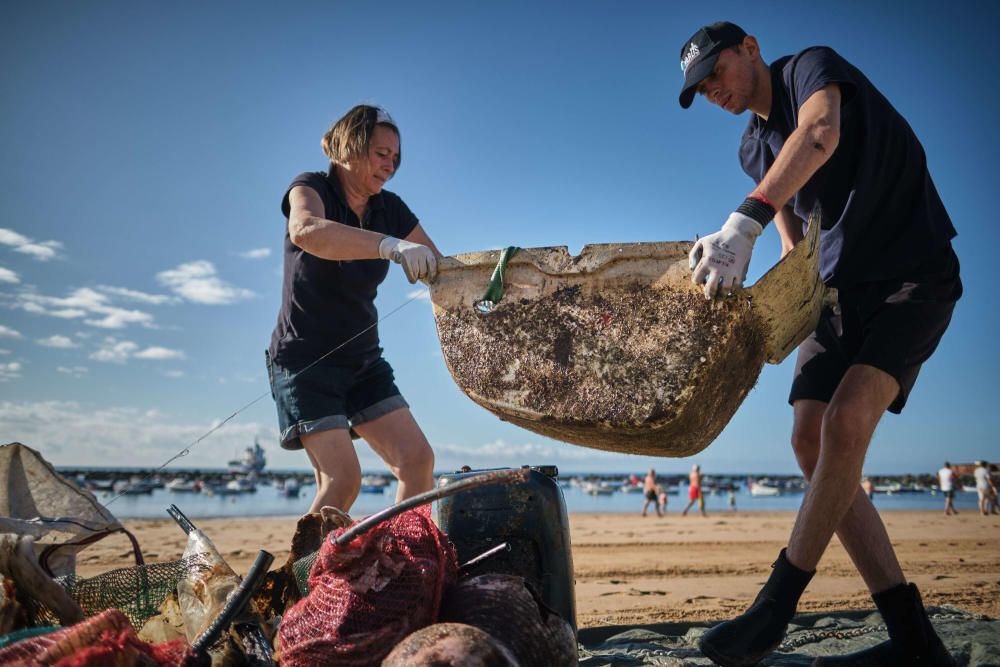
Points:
[[127, 436], [10, 371], [115, 351], [57, 341], [159, 353], [198, 282], [136, 295], [256, 253], [82, 302], [119, 318], [7, 332], [43, 251], [74, 371], [3, 351], [423, 294], [8, 276], [174, 374]]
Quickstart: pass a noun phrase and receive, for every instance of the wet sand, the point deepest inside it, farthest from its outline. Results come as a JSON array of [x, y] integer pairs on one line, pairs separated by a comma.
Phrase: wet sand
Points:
[[633, 570]]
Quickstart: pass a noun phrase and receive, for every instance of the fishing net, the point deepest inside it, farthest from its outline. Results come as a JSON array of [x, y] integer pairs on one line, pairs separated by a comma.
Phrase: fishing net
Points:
[[367, 595], [106, 639], [301, 569], [135, 591]]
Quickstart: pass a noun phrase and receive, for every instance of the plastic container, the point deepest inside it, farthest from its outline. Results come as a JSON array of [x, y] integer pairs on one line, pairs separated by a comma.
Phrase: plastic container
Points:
[[530, 517]]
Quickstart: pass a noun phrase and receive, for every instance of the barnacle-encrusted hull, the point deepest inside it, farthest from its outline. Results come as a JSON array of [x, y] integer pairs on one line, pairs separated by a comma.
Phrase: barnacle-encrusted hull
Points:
[[616, 349]]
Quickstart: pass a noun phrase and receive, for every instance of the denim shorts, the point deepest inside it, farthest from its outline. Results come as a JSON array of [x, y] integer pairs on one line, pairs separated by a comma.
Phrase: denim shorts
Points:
[[893, 325], [331, 396]]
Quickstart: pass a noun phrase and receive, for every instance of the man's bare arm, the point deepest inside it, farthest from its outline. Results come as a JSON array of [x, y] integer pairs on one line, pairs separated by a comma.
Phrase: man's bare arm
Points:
[[806, 149]]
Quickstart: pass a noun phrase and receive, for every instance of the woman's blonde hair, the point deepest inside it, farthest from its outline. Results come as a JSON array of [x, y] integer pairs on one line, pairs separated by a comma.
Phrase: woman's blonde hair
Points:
[[348, 138]]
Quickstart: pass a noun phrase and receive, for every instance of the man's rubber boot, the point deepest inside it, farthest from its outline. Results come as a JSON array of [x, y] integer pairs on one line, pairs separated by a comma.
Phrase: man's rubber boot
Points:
[[759, 630], [912, 639]]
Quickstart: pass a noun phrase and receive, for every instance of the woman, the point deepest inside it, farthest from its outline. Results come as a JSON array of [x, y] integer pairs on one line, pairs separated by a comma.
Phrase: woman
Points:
[[328, 378]]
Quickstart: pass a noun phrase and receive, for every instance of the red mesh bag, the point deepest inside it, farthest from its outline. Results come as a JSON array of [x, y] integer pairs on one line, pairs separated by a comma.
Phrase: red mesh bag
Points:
[[105, 640], [366, 596]]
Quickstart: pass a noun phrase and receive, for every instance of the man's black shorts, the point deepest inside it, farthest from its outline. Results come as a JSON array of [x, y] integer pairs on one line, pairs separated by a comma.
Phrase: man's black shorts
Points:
[[893, 325]]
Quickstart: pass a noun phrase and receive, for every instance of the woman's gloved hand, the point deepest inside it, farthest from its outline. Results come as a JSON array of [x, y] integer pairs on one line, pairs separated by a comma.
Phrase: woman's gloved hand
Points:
[[418, 261]]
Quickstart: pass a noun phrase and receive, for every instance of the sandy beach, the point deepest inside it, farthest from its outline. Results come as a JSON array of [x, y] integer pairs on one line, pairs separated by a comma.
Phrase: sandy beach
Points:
[[633, 570]]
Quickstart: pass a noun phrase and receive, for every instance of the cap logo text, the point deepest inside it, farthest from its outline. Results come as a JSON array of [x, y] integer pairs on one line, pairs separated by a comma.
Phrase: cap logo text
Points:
[[692, 53]]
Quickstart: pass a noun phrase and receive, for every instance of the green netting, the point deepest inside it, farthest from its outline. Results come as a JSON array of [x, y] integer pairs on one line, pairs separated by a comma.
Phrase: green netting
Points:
[[301, 568], [136, 591]]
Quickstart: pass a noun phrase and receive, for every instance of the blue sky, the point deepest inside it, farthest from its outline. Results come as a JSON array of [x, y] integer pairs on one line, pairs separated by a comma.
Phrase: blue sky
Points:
[[145, 148]]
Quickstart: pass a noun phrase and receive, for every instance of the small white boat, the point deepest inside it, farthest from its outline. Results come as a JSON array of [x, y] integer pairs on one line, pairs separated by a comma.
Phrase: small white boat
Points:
[[759, 489], [133, 487], [181, 485], [241, 485], [289, 489], [601, 489]]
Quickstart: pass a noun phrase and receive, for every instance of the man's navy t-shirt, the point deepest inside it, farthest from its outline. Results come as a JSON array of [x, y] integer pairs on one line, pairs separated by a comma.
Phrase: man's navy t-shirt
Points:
[[882, 216], [326, 302]]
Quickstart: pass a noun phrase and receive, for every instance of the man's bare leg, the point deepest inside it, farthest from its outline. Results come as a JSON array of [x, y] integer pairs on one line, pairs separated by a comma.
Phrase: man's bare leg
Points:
[[849, 421], [846, 427], [861, 530]]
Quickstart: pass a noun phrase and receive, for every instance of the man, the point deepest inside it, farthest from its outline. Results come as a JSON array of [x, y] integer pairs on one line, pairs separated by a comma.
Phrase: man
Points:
[[985, 488], [821, 137], [694, 491], [947, 480], [649, 493]]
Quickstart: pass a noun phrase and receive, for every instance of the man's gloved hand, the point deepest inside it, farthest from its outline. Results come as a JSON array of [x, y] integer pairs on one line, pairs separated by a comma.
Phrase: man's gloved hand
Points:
[[418, 261], [720, 260]]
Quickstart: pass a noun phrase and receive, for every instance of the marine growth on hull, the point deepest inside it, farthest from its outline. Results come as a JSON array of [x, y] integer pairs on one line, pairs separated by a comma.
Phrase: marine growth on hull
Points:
[[615, 348]]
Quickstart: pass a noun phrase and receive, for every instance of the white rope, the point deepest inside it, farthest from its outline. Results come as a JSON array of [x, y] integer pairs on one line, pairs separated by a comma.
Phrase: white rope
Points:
[[187, 450]]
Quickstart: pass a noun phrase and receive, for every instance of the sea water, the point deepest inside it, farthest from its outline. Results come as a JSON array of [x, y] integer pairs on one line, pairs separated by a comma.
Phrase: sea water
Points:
[[266, 501]]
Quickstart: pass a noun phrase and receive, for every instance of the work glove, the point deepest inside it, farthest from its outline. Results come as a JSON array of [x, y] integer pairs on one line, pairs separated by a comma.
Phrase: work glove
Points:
[[720, 260], [418, 261]]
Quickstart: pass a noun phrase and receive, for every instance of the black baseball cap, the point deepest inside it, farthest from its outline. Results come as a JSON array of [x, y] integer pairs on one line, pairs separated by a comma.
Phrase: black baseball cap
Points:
[[699, 53]]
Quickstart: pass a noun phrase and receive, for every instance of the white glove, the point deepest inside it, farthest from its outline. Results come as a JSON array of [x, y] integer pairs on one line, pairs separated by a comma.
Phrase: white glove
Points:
[[720, 260], [418, 261]]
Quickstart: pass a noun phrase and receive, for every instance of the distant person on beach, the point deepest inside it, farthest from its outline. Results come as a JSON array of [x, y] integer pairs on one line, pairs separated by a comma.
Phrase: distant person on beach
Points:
[[661, 493], [732, 501], [328, 378], [694, 491], [868, 488], [985, 488], [822, 139], [947, 479], [649, 493]]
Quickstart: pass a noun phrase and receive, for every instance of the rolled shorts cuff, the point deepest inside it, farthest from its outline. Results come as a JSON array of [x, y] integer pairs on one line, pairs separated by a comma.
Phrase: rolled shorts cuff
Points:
[[382, 408], [290, 439]]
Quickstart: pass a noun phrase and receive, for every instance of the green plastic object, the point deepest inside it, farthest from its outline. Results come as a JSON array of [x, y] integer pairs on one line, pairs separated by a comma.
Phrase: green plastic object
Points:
[[494, 290]]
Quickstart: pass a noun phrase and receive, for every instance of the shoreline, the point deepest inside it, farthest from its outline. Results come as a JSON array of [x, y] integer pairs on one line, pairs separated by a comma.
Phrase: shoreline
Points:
[[635, 570]]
